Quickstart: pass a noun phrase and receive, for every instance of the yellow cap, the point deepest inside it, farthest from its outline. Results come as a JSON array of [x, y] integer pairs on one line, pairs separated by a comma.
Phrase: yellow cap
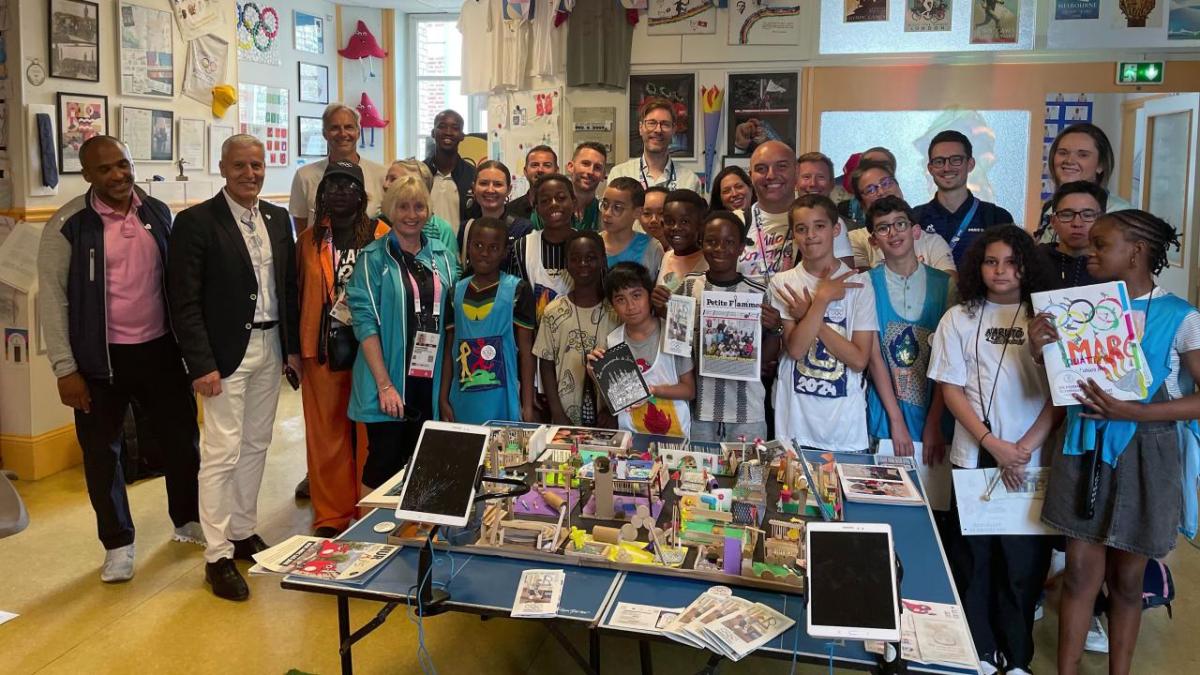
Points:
[[224, 95]]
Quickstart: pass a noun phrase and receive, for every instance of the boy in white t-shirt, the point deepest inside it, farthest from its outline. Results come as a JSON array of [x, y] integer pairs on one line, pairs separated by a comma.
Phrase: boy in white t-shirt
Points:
[[829, 328]]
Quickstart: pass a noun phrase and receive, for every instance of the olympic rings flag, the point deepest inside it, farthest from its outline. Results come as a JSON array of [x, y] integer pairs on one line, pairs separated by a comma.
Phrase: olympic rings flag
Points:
[[257, 33]]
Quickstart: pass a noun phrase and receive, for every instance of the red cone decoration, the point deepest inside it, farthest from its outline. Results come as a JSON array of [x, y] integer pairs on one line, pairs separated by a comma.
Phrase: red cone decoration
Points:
[[362, 44], [370, 114]]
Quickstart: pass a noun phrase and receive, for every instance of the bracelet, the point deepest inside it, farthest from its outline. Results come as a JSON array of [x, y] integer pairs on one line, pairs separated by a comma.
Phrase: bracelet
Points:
[[984, 437], [386, 387]]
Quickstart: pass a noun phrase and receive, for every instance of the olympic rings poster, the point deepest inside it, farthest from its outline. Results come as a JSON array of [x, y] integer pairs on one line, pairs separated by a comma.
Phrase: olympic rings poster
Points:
[[1097, 339], [258, 33]]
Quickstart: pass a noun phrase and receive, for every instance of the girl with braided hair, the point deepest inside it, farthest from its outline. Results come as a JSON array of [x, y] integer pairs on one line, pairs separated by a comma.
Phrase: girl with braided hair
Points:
[[327, 252], [1126, 467]]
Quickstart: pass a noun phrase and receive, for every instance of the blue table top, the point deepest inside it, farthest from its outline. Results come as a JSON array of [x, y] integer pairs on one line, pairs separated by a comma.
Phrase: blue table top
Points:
[[481, 584], [926, 577]]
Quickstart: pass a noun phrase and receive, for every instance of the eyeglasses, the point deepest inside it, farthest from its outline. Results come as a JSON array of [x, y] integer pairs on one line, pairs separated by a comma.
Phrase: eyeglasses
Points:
[[952, 160], [875, 188], [617, 208], [651, 125], [886, 228], [1068, 215]]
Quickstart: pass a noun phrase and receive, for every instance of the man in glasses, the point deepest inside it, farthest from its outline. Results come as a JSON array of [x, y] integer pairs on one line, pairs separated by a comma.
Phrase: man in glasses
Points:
[[1074, 208], [954, 213], [873, 181], [657, 126]]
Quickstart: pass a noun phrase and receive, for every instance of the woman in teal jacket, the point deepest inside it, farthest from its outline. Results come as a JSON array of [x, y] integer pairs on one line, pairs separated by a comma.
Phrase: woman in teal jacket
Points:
[[396, 297]]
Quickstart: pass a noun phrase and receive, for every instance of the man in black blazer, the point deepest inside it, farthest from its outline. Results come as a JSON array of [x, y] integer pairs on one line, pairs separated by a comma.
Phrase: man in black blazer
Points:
[[231, 280]]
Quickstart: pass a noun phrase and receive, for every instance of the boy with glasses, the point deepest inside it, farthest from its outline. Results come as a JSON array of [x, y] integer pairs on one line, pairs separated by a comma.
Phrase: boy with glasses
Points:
[[1074, 208], [954, 213], [656, 126], [910, 298], [873, 181], [619, 210]]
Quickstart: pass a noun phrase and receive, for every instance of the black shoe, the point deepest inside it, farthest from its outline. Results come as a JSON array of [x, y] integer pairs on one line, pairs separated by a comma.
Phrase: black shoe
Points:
[[244, 549], [302, 489], [225, 580], [326, 532]]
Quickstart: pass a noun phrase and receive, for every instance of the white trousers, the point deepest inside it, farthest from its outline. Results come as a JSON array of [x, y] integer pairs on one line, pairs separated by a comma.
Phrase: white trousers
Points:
[[233, 451]]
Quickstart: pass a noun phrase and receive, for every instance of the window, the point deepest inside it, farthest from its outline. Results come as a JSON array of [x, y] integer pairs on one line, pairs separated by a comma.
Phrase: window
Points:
[[436, 60]]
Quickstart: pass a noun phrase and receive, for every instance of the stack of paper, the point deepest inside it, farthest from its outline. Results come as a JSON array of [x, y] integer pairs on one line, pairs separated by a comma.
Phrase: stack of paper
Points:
[[643, 618], [539, 593], [333, 559], [932, 633], [728, 625]]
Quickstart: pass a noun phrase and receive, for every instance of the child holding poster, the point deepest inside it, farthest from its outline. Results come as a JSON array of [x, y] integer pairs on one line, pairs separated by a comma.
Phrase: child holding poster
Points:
[[1118, 514], [729, 409]]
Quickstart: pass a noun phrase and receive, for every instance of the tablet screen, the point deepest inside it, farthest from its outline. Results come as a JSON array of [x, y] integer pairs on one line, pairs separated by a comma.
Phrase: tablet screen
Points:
[[851, 580], [441, 474]]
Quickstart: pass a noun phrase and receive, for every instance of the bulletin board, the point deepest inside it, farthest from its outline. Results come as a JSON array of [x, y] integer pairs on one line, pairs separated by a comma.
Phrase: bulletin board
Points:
[[263, 113]]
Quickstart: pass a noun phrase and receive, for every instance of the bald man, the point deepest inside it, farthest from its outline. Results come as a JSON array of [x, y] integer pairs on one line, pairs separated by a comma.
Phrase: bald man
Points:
[[107, 330], [773, 175]]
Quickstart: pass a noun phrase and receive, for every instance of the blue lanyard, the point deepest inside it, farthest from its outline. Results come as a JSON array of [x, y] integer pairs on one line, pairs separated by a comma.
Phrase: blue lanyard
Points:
[[966, 221], [670, 173]]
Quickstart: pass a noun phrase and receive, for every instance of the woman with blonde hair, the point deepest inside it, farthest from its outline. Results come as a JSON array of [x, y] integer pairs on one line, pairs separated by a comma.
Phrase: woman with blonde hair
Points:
[[396, 298], [436, 227]]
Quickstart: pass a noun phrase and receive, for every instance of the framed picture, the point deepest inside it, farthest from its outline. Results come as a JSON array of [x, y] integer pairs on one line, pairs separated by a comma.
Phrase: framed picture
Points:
[[765, 105], [309, 33], [312, 137], [147, 61], [314, 83], [80, 116], [191, 143], [680, 90], [263, 113], [149, 134], [74, 32]]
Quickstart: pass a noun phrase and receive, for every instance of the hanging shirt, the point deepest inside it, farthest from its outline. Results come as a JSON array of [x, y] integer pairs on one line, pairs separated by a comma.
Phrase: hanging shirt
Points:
[[548, 41], [599, 46], [510, 48], [478, 31]]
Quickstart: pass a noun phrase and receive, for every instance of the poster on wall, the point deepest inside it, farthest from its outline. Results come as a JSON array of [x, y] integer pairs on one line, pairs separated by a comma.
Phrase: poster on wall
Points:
[[1139, 14], [866, 10], [1183, 21], [258, 33], [680, 90], [534, 118], [80, 116], [308, 33], [75, 40], [314, 83], [994, 21], [147, 53], [149, 134], [927, 16], [191, 143], [761, 107], [681, 17], [762, 22], [263, 113], [206, 60], [217, 133], [1074, 10], [196, 18], [312, 139], [497, 123]]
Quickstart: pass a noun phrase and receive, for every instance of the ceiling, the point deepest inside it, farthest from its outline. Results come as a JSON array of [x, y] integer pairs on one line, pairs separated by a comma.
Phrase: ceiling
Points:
[[407, 6]]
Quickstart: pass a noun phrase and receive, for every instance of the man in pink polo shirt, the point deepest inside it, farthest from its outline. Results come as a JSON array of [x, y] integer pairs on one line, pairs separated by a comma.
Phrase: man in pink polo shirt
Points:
[[108, 335]]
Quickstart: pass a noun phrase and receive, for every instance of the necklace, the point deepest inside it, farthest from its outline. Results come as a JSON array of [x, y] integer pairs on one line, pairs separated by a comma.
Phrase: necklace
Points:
[[587, 403], [987, 420]]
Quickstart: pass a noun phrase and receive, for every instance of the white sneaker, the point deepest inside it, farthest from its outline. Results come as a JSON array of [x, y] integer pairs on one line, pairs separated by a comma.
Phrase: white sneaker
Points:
[[989, 668], [189, 533], [1097, 639], [1039, 612], [118, 565]]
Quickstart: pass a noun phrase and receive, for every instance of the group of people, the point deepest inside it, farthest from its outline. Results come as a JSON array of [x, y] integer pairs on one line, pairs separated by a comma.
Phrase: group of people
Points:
[[422, 292]]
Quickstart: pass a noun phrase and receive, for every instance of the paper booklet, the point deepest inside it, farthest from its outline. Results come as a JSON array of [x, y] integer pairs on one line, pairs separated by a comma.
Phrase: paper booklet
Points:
[[1097, 339], [746, 630], [987, 506], [872, 483], [620, 379], [731, 335], [707, 601], [539, 593], [932, 633], [643, 618], [934, 479], [681, 321], [331, 559]]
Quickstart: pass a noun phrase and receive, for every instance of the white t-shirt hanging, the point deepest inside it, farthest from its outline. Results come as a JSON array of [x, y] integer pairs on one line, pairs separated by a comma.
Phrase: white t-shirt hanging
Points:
[[770, 249], [546, 59], [475, 25], [819, 389], [1021, 390], [510, 48]]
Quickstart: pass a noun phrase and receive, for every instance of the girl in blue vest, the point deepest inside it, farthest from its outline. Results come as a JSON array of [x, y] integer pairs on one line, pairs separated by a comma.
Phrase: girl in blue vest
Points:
[[487, 371], [910, 299], [1127, 469]]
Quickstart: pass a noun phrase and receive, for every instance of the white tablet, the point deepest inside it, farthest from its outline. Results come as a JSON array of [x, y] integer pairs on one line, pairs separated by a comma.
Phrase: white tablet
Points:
[[851, 581], [439, 483]]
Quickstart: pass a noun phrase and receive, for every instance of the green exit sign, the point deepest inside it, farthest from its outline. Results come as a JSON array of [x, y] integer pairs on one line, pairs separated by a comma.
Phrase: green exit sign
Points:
[[1140, 72]]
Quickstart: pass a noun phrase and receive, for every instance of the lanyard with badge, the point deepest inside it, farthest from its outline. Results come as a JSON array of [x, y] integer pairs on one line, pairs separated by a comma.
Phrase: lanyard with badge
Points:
[[425, 343], [670, 173], [339, 308], [966, 222]]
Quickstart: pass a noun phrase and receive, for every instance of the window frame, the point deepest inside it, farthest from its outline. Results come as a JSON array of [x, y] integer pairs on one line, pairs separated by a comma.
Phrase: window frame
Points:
[[474, 116]]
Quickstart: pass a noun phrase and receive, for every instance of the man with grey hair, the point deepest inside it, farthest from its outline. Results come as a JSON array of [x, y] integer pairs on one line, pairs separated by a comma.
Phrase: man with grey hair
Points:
[[341, 128], [108, 335], [231, 281]]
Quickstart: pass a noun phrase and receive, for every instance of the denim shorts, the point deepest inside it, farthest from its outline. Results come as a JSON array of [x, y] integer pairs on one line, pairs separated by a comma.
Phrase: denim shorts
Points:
[[1138, 503]]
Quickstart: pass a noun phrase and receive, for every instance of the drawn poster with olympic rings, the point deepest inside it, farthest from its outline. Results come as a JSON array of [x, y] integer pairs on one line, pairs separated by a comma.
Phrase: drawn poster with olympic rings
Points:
[[258, 33], [1097, 339]]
